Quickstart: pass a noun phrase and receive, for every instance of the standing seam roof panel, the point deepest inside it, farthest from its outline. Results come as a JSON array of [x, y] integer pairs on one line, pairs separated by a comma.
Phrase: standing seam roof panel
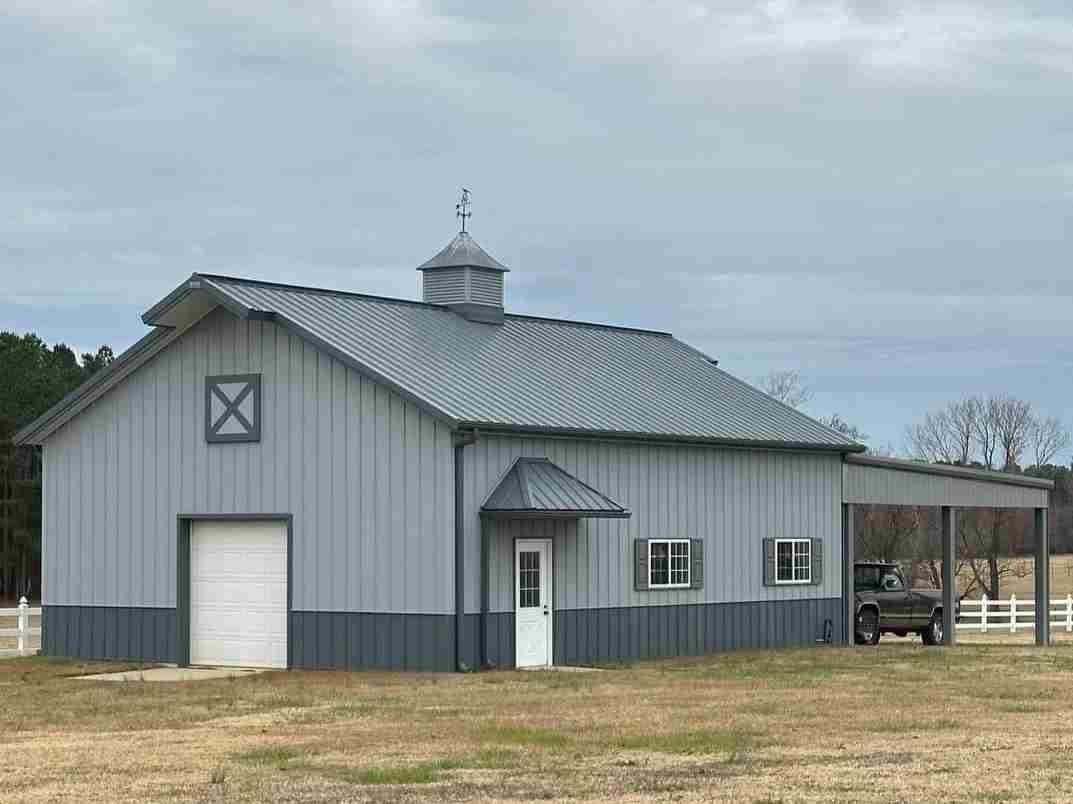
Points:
[[538, 373]]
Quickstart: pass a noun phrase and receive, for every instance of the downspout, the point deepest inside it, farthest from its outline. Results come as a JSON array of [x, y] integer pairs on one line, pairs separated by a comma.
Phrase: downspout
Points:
[[462, 440], [484, 593]]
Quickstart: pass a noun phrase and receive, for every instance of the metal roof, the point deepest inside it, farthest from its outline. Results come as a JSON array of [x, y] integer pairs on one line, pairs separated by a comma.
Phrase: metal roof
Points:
[[533, 373], [463, 251], [536, 487], [527, 374]]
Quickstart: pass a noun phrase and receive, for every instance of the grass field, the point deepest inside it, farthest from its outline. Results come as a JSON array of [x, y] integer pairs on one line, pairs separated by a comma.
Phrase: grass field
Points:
[[896, 723], [1024, 587]]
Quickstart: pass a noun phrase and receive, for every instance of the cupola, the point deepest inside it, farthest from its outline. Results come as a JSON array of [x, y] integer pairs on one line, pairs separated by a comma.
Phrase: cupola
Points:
[[464, 277]]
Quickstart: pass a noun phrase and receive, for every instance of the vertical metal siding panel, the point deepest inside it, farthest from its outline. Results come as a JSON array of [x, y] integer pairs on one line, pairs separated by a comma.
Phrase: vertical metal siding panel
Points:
[[352, 535]]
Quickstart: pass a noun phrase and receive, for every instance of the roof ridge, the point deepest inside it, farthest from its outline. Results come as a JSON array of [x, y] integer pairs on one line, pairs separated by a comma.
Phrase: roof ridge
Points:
[[415, 303]]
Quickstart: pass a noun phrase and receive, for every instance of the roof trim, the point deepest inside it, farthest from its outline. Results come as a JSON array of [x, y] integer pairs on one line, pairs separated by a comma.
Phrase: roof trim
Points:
[[498, 428], [100, 383], [960, 472]]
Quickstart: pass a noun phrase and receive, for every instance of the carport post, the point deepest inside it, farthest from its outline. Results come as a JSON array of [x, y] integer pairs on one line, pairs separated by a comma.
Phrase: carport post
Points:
[[1043, 580], [948, 515], [849, 595]]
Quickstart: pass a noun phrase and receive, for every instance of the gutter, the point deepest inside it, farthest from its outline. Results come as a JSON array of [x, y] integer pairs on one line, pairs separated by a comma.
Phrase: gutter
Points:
[[462, 439]]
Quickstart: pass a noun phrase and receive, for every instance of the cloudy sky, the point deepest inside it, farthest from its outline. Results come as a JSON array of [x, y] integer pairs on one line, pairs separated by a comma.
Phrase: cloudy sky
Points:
[[877, 194]]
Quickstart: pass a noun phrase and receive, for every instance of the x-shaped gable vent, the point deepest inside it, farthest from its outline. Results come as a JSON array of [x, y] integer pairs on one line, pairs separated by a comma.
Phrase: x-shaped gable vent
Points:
[[233, 408]]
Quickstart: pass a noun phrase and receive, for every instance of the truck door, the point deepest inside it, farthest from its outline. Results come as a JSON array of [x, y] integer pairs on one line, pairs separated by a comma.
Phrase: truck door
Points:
[[895, 602]]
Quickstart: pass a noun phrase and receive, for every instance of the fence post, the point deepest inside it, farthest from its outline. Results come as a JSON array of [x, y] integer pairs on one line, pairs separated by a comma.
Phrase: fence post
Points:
[[983, 614], [1069, 613], [1013, 614], [23, 626]]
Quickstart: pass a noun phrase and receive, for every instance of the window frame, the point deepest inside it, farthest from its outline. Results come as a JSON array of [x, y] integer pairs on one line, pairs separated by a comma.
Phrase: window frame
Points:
[[793, 580], [689, 564]]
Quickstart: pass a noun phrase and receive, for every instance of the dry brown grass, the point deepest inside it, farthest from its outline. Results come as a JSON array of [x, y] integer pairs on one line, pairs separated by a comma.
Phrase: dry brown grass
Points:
[[895, 723], [1023, 582]]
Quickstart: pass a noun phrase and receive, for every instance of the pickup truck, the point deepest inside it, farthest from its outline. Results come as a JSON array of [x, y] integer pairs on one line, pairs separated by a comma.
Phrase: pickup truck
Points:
[[886, 605]]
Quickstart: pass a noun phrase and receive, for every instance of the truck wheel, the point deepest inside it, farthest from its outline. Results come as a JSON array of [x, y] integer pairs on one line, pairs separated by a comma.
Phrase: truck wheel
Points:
[[868, 627], [933, 633]]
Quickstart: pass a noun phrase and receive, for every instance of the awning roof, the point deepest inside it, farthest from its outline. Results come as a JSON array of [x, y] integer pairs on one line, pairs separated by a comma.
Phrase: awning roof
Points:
[[537, 488]]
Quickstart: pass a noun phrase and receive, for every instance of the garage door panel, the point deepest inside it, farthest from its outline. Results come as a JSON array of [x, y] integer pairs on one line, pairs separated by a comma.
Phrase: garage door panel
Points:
[[238, 593]]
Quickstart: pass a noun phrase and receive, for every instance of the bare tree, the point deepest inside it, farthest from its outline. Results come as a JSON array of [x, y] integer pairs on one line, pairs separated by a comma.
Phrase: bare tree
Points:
[[787, 387], [840, 425], [947, 435], [996, 433], [1046, 439], [1013, 424]]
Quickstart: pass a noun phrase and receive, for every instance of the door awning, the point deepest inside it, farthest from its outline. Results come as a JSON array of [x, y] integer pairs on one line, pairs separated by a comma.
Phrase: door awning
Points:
[[535, 488]]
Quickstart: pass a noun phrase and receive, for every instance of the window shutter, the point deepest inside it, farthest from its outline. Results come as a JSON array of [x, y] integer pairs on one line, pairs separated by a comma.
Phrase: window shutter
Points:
[[696, 558], [769, 562], [640, 564], [817, 562]]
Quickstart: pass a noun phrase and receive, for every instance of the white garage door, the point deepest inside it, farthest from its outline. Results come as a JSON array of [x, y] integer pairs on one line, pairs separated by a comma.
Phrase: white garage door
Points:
[[238, 593]]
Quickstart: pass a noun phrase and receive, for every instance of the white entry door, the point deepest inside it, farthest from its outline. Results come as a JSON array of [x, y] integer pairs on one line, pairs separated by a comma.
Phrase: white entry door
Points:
[[238, 593], [532, 603]]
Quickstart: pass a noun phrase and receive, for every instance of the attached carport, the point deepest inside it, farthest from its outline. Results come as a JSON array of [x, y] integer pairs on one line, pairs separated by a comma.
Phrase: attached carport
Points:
[[887, 481]]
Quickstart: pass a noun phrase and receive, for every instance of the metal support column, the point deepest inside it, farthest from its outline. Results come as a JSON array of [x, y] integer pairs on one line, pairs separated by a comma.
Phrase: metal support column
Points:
[[1043, 580], [948, 515], [849, 595]]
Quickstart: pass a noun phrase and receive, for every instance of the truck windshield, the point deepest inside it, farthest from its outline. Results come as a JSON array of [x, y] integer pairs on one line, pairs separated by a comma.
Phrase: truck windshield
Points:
[[866, 577]]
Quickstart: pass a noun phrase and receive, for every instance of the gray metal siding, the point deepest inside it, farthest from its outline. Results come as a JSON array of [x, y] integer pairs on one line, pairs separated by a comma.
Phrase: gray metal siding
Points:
[[445, 286], [486, 287], [367, 476], [732, 499], [886, 486]]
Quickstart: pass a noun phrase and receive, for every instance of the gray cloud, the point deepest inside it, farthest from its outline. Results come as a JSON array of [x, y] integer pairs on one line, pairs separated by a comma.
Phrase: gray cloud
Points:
[[878, 194]]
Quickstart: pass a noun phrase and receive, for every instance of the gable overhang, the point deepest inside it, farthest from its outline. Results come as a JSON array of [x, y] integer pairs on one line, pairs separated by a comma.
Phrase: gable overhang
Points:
[[890, 481], [170, 318]]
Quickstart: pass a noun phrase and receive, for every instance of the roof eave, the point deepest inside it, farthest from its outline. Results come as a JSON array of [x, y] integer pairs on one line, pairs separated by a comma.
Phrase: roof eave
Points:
[[499, 428]]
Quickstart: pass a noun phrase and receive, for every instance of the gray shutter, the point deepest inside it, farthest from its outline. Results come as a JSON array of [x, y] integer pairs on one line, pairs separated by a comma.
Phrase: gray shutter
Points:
[[696, 558], [769, 562], [640, 564], [817, 562]]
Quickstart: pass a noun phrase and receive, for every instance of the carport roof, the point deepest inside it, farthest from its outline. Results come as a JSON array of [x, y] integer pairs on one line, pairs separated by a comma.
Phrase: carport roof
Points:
[[537, 488]]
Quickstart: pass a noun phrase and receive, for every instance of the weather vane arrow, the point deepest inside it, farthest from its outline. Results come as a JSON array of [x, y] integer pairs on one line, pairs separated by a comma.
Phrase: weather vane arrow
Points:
[[462, 208]]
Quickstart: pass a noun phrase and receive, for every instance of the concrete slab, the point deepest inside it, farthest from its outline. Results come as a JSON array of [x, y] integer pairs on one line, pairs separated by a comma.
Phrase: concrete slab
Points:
[[174, 674], [562, 668]]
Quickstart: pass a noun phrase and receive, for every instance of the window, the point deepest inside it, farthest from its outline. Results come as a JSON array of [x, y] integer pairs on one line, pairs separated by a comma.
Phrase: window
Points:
[[528, 579], [233, 408], [865, 578], [668, 563], [793, 561]]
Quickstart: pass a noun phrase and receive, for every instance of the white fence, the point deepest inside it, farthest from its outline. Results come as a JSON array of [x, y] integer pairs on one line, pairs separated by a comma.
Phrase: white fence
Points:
[[1012, 615], [26, 639]]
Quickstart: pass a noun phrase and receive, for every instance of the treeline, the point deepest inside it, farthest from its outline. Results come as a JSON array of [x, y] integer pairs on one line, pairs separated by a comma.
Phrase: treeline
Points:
[[33, 377]]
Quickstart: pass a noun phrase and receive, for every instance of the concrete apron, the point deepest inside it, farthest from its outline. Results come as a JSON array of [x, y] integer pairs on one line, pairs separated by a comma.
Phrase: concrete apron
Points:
[[174, 674]]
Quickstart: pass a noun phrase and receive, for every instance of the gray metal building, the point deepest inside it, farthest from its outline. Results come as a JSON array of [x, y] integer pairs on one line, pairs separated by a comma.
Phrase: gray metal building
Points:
[[294, 477]]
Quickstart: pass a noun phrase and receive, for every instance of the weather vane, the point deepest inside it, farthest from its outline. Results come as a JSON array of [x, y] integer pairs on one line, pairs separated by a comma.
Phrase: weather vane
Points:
[[462, 208]]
